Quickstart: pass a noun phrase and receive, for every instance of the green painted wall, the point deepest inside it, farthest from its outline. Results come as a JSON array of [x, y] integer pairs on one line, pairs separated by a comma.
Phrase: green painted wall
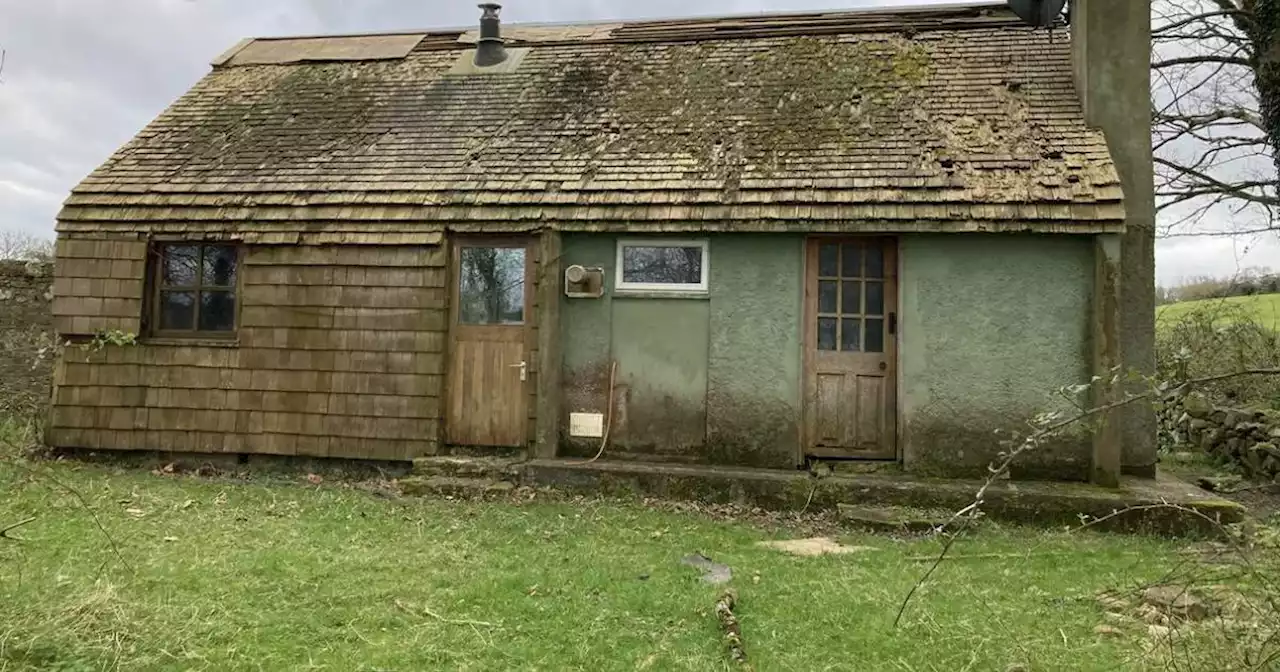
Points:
[[991, 326], [754, 403], [661, 349], [712, 378]]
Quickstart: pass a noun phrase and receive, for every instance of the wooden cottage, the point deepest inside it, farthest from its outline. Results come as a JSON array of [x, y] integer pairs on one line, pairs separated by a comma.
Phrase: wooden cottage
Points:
[[881, 235]]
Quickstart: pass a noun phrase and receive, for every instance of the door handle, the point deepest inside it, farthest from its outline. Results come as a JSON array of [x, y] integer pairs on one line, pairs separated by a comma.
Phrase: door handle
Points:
[[524, 370]]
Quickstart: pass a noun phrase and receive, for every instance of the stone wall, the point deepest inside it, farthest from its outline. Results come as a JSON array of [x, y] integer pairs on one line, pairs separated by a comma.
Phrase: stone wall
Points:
[[1247, 437], [26, 326]]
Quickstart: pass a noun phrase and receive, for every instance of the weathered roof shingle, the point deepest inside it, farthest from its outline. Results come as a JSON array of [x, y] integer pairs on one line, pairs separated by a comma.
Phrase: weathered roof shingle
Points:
[[940, 119]]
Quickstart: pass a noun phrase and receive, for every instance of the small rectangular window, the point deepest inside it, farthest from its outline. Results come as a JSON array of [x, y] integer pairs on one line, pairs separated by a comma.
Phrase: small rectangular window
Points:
[[662, 265], [491, 285], [194, 287]]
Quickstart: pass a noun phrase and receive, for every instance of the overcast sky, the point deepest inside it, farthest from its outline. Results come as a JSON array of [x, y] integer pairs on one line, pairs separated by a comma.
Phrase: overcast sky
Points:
[[83, 76]]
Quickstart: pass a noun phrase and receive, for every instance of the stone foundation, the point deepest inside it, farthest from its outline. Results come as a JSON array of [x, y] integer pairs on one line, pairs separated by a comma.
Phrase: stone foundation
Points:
[[1246, 437]]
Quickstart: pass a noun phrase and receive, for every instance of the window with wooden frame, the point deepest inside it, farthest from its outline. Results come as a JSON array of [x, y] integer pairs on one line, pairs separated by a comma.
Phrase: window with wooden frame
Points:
[[193, 289], [851, 296], [662, 265]]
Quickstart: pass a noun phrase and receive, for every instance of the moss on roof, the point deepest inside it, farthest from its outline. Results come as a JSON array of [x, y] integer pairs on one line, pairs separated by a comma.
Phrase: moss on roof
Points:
[[956, 114]]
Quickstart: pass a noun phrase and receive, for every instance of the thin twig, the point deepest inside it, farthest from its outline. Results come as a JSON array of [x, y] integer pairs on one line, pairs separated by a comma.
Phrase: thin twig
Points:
[[999, 556], [4, 531], [998, 471], [97, 521], [809, 501], [448, 621]]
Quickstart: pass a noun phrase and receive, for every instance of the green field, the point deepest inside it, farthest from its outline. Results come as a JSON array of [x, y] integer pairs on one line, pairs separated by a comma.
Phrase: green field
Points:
[[1265, 308], [281, 575]]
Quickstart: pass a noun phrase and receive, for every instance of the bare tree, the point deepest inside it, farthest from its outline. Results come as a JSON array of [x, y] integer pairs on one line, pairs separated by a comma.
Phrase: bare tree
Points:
[[25, 246], [1216, 118]]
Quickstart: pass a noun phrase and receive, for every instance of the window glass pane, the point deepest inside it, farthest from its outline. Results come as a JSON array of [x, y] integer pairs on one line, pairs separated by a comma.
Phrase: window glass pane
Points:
[[875, 298], [180, 265], [217, 311], [875, 261], [491, 285], [177, 310], [851, 299], [851, 260], [826, 296], [850, 330], [826, 333], [828, 259], [875, 336], [660, 264], [219, 266]]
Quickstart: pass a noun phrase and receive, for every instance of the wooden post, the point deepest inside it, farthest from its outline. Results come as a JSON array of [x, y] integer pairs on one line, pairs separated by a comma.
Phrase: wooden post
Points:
[[1105, 466], [550, 288]]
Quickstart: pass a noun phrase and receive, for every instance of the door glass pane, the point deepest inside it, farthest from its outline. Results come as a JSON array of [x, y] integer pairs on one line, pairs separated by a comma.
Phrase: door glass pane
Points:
[[875, 336], [219, 266], [851, 300], [875, 261], [826, 296], [491, 285], [850, 329], [828, 260], [826, 333], [177, 310], [851, 260], [875, 298], [181, 263], [217, 311]]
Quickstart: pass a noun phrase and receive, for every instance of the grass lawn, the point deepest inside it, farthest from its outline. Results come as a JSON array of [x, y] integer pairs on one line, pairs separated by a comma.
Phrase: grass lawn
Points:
[[1264, 307], [273, 575]]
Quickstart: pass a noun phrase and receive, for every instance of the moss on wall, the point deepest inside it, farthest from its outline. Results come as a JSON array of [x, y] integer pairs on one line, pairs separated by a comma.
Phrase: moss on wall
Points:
[[991, 327]]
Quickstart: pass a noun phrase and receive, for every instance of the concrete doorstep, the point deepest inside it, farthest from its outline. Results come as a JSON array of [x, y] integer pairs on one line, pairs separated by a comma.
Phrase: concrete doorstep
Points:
[[1164, 505]]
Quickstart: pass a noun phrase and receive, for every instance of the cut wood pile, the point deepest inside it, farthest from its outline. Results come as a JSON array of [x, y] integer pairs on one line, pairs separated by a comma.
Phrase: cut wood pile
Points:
[[1249, 438]]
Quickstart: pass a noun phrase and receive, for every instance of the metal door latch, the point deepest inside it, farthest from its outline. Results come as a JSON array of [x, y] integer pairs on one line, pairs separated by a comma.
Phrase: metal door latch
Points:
[[524, 370]]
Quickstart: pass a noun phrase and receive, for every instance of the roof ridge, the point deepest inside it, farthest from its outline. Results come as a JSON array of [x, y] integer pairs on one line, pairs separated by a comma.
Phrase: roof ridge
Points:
[[963, 6]]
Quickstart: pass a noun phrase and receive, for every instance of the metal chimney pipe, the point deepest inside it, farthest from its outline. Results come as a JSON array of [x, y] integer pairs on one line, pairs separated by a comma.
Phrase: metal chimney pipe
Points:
[[490, 50]]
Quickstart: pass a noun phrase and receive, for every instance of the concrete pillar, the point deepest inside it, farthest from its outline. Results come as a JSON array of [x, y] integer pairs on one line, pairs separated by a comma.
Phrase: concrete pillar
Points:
[[1111, 50], [1105, 466], [549, 295]]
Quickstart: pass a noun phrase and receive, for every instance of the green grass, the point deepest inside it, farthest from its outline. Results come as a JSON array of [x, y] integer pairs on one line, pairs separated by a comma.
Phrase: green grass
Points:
[[228, 575], [1265, 308]]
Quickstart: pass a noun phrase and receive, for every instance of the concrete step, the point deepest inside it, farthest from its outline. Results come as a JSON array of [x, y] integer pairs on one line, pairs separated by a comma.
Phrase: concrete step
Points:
[[467, 467], [455, 487]]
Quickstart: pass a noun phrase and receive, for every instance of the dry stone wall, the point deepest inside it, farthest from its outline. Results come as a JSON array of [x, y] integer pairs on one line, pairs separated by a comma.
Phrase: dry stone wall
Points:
[[1247, 437], [26, 336]]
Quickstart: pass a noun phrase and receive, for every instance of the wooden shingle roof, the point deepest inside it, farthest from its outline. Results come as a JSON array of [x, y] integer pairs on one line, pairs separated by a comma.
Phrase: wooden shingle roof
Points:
[[935, 119]]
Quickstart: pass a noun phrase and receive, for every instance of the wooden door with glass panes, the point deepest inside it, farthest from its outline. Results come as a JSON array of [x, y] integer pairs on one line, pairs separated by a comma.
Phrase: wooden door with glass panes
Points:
[[489, 360], [851, 347]]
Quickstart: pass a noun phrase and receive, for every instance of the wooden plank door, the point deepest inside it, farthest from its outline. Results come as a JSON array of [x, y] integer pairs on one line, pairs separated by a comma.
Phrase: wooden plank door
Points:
[[851, 347], [489, 361]]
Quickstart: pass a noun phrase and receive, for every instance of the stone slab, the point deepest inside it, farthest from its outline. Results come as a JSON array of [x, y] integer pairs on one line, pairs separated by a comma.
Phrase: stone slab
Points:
[[1164, 505]]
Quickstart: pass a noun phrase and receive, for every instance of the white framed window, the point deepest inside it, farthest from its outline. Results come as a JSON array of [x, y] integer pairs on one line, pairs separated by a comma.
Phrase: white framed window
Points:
[[662, 265]]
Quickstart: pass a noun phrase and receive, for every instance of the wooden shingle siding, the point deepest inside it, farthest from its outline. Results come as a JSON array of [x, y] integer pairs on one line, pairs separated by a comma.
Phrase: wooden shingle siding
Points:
[[98, 284], [340, 353]]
